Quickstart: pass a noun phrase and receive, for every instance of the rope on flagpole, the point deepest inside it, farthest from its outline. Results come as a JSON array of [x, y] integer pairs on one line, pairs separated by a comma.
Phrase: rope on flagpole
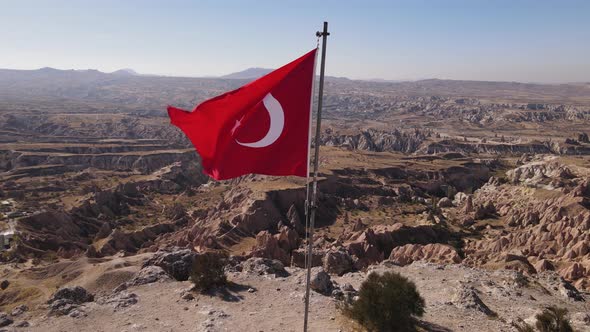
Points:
[[312, 207]]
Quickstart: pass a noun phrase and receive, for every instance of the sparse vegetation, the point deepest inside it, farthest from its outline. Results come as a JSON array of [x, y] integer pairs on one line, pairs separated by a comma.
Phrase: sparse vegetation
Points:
[[553, 319], [176, 211], [8, 255], [387, 302], [51, 256], [521, 280], [523, 327], [208, 270]]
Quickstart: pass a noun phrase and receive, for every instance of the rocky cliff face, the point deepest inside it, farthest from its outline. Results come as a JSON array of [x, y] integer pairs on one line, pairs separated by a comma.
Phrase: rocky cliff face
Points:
[[373, 244], [142, 162], [446, 146], [275, 220], [543, 230], [379, 141], [424, 142], [114, 126], [540, 215], [433, 252], [99, 224], [54, 231], [239, 216], [545, 171]]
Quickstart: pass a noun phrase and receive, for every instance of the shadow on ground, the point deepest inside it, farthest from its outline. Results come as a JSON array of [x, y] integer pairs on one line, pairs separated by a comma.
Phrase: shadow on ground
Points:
[[431, 327], [231, 292]]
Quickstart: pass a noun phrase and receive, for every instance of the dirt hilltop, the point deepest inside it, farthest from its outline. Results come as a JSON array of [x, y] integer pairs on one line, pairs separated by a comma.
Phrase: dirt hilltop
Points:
[[267, 302]]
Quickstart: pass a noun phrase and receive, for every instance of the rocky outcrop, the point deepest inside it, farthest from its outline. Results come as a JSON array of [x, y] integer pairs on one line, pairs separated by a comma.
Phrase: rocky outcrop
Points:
[[109, 204], [5, 320], [119, 300], [144, 162], [96, 218], [379, 141], [267, 246], [295, 220], [239, 215], [576, 270], [75, 294], [484, 210], [264, 266], [54, 231], [274, 217], [540, 172], [147, 275], [175, 177], [548, 232], [298, 257], [468, 299], [19, 310], [337, 262], [502, 148], [374, 244], [175, 261], [278, 246], [320, 281], [544, 265], [518, 263], [67, 301], [444, 202], [434, 253], [448, 145], [132, 241]]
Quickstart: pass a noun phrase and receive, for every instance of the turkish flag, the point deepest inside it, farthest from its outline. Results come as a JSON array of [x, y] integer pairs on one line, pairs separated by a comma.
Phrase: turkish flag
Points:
[[262, 127]]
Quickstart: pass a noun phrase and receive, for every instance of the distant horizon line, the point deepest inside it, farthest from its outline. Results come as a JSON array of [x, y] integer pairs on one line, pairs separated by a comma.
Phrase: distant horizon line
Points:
[[132, 72]]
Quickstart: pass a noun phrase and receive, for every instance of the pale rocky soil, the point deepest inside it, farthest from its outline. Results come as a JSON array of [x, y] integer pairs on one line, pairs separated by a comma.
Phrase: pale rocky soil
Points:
[[277, 304]]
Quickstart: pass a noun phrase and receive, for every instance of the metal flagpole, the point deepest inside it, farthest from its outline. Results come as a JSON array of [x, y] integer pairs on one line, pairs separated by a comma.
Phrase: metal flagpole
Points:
[[324, 34], [307, 183]]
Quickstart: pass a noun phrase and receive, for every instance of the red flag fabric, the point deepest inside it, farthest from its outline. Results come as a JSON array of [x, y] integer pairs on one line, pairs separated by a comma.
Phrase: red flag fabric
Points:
[[262, 127]]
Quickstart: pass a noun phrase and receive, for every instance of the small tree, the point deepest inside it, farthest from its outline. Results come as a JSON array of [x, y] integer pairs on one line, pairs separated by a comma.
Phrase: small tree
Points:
[[387, 303], [208, 270], [553, 319]]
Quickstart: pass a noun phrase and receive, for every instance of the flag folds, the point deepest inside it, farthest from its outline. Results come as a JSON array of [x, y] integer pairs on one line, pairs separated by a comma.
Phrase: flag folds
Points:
[[261, 128]]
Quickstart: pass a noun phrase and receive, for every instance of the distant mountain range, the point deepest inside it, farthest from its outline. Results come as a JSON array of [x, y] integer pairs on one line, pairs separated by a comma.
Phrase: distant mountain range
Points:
[[254, 73], [126, 89], [125, 71], [250, 73], [257, 72]]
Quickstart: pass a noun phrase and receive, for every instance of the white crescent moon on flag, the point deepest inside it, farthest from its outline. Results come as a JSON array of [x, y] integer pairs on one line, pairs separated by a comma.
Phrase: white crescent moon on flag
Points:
[[277, 122]]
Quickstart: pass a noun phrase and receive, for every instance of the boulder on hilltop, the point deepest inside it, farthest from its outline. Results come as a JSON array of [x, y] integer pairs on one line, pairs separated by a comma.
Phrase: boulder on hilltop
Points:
[[176, 262], [67, 301]]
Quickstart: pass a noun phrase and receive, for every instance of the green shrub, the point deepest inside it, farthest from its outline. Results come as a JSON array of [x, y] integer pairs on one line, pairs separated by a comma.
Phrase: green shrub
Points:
[[208, 270], [387, 303], [553, 319]]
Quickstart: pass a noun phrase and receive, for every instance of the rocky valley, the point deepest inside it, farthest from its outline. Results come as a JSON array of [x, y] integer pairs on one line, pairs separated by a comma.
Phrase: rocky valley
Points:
[[478, 192]]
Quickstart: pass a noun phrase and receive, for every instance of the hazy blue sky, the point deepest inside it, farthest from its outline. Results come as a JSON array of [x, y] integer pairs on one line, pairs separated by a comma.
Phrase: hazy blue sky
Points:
[[540, 41]]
